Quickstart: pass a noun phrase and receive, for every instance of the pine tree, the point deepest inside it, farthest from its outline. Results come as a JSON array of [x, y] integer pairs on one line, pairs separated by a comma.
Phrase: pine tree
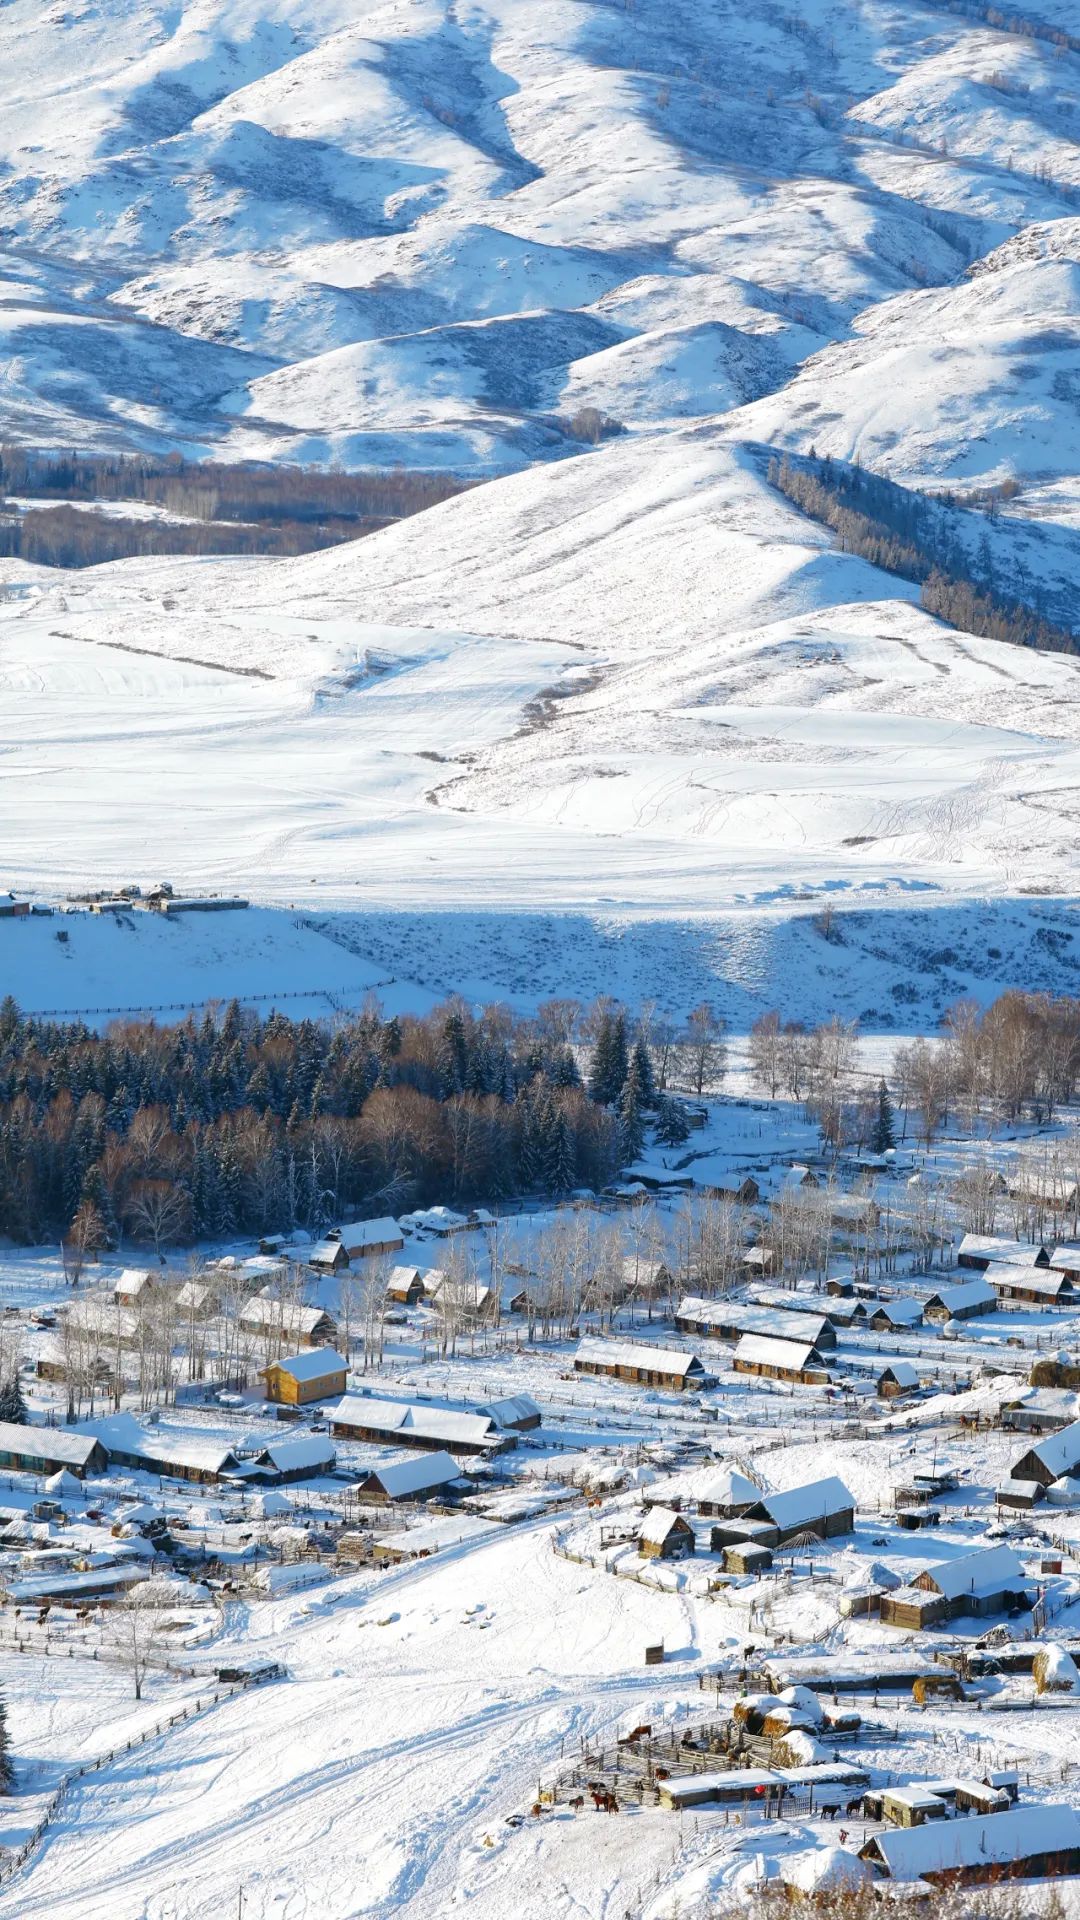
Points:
[[884, 1135], [672, 1126], [12, 1405], [631, 1127], [7, 1769], [645, 1072]]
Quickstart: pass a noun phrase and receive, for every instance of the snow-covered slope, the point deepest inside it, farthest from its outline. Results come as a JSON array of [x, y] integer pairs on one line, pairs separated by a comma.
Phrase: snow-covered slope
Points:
[[663, 207]]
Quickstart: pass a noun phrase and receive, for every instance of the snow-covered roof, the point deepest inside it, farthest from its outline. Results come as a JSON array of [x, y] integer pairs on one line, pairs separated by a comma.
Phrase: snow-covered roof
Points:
[[510, 1411], [987, 1246], [1058, 1452], [969, 1293], [284, 1315], [989, 1570], [160, 1450], [902, 1372], [759, 1350], [37, 1586], [401, 1279], [361, 1234], [982, 1840], [1032, 1279], [453, 1428], [624, 1353], [815, 1501], [790, 1323], [316, 1363], [659, 1522], [416, 1473], [1067, 1255], [900, 1313], [132, 1282], [72, 1449], [450, 1291], [728, 1488], [300, 1452]]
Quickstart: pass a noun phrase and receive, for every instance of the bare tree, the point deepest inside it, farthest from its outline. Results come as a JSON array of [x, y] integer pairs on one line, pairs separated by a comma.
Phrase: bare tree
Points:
[[702, 1051], [136, 1633]]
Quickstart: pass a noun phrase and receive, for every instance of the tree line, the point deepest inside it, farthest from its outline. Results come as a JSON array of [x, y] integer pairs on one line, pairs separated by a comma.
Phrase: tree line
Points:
[[230, 508], [245, 1124], [919, 539]]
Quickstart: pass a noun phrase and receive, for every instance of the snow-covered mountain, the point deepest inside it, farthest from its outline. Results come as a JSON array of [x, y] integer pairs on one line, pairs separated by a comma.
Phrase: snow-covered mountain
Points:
[[631, 680], [429, 231]]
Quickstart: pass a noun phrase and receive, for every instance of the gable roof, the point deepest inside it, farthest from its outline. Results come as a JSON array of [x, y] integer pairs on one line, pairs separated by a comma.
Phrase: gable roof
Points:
[[757, 1350], [133, 1281], [1033, 1279], [815, 1501], [48, 1443], [900, 1313], [624, 1353], [416, 1473], [779, 1323], [317, 1363], [361, 1234], [1059, 1452], [902, 1372], [988, 1570], [453, 1428], [992, 1839], [308, 1451], [970, 1293], [282, 1315], [659, 1523], [1016, 1253], [729, 1487]]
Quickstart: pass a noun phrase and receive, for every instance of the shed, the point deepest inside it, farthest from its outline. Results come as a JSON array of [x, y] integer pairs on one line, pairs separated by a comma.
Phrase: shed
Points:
[[133, 1286], [898, 1378], [328, 1256], [746, 1558], [298, 1456], [518, 1413], [665, 1535], [411, 1479], [982, 1251], [405, 1286], [680, 1371], [1033, 1842], [754, 1785], [645, 1279], [315, 1374], [892, 1315], [911, 1806], [964, 1301], [987, 1581], [795, 1360]]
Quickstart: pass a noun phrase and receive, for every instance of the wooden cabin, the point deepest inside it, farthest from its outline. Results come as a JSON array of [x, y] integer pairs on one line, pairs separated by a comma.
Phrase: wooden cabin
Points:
[[679, 1372], [30, 1449], [896, 1316], [316, 1374], [366, 1239], [982, 1251], [405, 1286], [286, 1321], [821, 1510], [746, 1558], [434, 1477], [896, 1380], [665, 1535], [772, 1359], [1054, 1456], [399, 1423], [1032, 1287], [134, 1286], [962, 1302]]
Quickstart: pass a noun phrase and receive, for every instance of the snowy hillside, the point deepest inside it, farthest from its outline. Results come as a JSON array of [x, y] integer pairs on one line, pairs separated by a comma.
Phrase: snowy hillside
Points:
[[627, 680]]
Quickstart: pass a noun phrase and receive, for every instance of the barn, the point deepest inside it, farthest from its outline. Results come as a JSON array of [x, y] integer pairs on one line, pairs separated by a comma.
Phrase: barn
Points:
[[361, 1417], [983, 1251], [989, 1581], [962, 1302], [770, 1359], [315, 1374], [643, 1366], [285, 1320], [412, 1479], [1034, 1842], [729, 1320], [822, 1509], [363, 1239], [1032, 1286], [896, 1316], [1055, 1455], [517, 1413]]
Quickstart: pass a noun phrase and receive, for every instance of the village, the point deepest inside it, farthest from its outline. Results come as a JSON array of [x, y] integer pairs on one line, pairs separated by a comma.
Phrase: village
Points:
[[811, 1439]]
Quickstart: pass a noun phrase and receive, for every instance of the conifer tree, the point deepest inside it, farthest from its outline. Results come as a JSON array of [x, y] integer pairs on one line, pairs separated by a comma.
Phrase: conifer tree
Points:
[[7, 1769], [12, 1405], [631, 1126], [672, 1126], [884, 1135]]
